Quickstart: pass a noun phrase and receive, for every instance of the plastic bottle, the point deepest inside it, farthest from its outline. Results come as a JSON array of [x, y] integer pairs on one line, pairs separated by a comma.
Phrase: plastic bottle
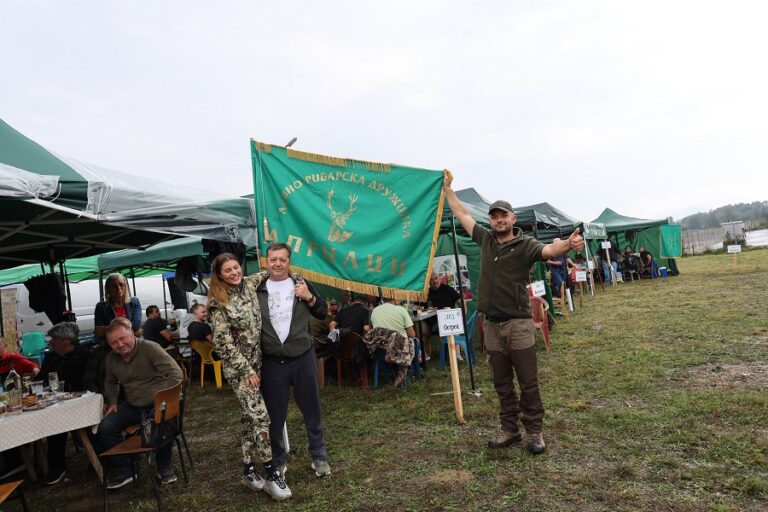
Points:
[[13, 380]]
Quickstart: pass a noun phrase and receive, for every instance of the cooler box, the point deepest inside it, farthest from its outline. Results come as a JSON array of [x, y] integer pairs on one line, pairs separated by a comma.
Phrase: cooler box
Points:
[[663, 271]]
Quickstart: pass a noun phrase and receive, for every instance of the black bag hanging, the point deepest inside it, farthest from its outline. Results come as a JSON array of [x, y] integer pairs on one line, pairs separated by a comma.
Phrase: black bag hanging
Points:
[[157, 435]]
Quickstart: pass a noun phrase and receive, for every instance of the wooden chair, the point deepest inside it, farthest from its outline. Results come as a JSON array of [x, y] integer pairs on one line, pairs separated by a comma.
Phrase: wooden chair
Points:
[[8, 488], [344, 358], [540, 309], [627, 270], [560, 302], [167, 408], [205, 350]]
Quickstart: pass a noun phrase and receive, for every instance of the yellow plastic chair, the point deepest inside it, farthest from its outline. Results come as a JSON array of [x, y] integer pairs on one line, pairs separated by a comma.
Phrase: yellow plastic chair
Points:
[[204, 349]]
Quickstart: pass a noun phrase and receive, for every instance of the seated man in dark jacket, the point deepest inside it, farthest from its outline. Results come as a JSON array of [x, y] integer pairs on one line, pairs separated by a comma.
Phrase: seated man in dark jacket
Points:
[[68, 359]]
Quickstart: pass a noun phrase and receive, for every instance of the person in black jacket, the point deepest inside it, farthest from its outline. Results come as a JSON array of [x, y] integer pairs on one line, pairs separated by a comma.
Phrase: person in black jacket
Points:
[[287, 301], [68, 359]]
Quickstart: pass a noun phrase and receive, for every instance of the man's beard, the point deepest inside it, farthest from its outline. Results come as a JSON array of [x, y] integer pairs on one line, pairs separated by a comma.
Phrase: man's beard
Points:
[[502, 232]]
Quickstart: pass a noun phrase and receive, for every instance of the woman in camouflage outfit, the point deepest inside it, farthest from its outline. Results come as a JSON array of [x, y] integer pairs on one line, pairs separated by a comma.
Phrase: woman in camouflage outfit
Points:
[[236, 319]]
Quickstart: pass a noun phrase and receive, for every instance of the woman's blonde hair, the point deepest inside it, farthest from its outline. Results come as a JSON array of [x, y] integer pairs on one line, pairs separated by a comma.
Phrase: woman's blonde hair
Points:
[[217, 288], [114, 278]]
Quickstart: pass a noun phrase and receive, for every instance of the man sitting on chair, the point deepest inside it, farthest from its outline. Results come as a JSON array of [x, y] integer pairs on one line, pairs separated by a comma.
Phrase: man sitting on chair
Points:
[[143, 368]]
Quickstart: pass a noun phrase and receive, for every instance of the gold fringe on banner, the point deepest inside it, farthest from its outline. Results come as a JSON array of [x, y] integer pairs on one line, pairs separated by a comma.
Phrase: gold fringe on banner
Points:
[[319, 159], [435, 235], [364, 288], [264, 148], [376, 167]]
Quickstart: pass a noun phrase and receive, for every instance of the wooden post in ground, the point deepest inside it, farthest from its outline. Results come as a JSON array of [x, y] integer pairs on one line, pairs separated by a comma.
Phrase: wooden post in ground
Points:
[[459, 406]]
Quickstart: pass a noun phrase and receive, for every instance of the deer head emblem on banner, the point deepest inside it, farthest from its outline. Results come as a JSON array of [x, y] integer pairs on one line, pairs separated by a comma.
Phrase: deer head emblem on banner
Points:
[[339, 219]]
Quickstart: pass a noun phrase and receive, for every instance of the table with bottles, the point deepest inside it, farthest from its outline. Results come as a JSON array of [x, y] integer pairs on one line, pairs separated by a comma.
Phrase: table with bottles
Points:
[[68, 413]]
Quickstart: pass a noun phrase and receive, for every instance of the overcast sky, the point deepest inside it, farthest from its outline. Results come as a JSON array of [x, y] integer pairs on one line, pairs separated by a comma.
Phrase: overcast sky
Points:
[[653, 109]]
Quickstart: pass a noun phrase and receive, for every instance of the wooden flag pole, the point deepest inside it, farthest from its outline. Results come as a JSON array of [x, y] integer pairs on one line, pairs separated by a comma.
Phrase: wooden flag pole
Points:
[[455, 380]]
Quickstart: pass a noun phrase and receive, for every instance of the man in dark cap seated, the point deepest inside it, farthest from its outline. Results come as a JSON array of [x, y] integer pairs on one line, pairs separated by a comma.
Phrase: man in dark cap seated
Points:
[[68, 359]]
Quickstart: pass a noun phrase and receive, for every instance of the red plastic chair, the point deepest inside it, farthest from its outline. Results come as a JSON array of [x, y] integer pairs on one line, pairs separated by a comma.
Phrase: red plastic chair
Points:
[[540, 310]]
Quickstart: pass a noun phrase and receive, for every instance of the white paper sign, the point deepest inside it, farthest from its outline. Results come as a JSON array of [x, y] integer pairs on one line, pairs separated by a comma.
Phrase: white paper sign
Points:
[[538, 289], [581, 276], [605, 245], [449, 322], [734, 249]]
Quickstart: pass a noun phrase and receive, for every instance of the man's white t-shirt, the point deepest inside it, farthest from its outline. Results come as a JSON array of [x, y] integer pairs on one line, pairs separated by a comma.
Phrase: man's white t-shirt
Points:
[[281, 306]]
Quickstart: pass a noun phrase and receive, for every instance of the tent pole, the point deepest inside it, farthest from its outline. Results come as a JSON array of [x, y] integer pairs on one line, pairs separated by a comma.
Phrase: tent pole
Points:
[[133, 282], [165, 300], [101, 285], [63, 271], [474, 391]]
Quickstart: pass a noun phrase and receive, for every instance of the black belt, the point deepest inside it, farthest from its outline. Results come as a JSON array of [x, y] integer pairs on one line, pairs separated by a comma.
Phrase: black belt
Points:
[[498, 319], [282, 359]]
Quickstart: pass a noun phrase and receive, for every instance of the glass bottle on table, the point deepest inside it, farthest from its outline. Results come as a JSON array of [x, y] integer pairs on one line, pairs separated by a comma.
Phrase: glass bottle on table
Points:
[[13, 388]]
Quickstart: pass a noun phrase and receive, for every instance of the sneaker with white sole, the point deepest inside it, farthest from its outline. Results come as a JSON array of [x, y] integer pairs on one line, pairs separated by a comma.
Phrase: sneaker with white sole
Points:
[[276, 486], [321, 467], [166, 475], [119, 481], [55, 476], [252, 480]]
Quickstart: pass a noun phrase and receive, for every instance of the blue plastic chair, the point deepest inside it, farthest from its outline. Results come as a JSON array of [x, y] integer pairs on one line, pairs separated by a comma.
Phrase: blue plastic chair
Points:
[[33, 346], [465, 341]]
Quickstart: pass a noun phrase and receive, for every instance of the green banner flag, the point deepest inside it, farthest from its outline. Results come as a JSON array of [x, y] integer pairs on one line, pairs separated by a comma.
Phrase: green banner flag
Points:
[[671, 243], [351, 224]]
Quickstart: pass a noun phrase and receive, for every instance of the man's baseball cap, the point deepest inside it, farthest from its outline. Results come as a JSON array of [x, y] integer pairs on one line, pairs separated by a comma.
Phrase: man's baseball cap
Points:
[[501, 205]]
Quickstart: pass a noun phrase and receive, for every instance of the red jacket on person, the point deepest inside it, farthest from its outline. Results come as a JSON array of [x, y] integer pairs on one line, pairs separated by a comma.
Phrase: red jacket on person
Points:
[[23, 365]]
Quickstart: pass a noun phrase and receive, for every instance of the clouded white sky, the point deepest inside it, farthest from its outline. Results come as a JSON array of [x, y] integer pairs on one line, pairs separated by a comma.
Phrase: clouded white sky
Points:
[[651, 108]]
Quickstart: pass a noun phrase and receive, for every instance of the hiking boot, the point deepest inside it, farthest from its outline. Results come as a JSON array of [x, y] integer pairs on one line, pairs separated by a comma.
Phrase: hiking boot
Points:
[[119, 480], [276, 486], [251, 479], [321, 467], [536, 443], [166, 475], [505, 439], [401, 375], [54, 476]]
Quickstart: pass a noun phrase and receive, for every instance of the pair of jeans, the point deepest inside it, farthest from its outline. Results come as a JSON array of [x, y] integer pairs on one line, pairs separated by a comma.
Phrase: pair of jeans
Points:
[[607, 271], [111, 433]]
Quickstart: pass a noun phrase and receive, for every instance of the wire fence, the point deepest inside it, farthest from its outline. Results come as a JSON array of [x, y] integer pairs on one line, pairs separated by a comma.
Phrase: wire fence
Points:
[[696, 241]]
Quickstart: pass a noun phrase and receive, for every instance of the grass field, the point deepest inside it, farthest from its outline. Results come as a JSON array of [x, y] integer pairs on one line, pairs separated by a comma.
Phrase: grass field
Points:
[[655, 395]]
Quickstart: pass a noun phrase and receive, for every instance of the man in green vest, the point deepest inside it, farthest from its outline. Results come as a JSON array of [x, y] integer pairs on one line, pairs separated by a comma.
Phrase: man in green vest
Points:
[[506, 258]]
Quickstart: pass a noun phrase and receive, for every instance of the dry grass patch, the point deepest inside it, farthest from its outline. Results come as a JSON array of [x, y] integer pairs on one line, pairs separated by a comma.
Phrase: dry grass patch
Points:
[[748, 376]]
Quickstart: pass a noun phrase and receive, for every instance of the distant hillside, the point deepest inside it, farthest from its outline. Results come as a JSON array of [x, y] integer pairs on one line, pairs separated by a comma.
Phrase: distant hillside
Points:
[[754, 214]]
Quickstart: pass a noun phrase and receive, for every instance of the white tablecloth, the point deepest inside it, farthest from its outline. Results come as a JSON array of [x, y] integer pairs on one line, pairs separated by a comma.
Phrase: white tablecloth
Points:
[[64, 416]]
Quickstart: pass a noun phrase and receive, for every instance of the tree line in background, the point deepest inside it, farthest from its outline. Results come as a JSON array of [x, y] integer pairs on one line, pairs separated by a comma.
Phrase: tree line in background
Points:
[[754, 214]]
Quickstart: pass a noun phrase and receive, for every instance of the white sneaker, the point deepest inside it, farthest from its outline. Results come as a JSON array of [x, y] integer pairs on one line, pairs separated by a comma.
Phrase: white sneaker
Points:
[[253, 480], [276, 486]]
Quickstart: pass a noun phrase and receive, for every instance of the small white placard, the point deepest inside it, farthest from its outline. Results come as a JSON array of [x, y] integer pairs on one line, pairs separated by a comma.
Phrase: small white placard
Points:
[[581, 276], [538, 289], [734, 249], [605, 245], [591, 265], [449, 322]]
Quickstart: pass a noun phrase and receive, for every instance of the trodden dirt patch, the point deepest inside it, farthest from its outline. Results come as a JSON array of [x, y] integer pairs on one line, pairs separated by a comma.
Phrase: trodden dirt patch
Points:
[[745, 376]]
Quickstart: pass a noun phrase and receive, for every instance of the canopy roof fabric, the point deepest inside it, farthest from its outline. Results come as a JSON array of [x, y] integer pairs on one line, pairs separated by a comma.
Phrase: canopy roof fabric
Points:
[[161, 255], [614, 221], [77, 269], [542, 220], [56, 208]]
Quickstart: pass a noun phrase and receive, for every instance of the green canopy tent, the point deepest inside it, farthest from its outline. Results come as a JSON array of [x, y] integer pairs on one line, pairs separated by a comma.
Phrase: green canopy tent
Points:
[[660, 238], [56, 208]]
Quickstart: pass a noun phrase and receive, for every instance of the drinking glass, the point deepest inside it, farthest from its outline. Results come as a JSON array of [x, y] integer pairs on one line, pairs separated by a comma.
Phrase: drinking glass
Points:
[[53, 381]]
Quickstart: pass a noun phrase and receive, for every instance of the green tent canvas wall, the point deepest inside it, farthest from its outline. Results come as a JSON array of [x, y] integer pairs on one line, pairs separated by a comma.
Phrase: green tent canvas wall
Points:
[[660, 238]]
